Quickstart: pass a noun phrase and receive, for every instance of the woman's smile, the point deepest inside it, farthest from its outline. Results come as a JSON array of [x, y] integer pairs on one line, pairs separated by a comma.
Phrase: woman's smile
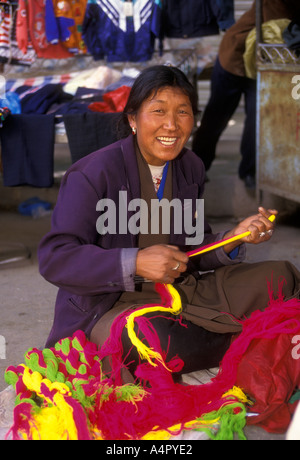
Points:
[[167, 141]]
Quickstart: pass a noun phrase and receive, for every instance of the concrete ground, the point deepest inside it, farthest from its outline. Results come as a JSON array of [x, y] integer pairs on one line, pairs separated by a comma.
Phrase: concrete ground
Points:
[[27, 300]]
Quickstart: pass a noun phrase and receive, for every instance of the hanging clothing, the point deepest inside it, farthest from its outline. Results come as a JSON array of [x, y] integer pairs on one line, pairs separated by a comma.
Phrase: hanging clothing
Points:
[[4, 112], [31, 21], [9, 49], [194, 18], [225, 14], [121, 30], [27, 143], [64, 23], [41, 99], [90, 131]]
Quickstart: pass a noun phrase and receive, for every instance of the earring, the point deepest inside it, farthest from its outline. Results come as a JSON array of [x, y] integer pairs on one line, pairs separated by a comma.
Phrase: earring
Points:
[[133, 130]]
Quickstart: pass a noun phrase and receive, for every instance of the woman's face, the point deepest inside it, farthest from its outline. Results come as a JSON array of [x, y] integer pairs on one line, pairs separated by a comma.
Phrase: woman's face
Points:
[[163, 125]]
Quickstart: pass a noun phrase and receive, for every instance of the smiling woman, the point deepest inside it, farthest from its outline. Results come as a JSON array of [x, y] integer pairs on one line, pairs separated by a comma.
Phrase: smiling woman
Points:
[[104, 274]]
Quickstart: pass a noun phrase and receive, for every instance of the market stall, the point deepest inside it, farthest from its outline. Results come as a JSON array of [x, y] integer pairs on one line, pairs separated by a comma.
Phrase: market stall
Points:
[[278, 118]]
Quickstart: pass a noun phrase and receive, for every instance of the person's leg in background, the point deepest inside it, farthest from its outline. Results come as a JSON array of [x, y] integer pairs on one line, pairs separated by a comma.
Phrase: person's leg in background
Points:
[[247, 168], [226, 92]]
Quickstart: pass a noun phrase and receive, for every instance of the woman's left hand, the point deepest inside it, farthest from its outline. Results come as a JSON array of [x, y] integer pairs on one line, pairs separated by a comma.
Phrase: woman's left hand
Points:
[[259, 226]]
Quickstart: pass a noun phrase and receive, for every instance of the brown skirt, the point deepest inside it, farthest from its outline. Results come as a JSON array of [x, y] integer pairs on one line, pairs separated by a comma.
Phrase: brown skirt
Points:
[[217, 298]]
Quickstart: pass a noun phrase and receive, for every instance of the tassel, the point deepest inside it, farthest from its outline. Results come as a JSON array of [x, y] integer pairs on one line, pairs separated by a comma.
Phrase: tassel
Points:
[[172, 301]]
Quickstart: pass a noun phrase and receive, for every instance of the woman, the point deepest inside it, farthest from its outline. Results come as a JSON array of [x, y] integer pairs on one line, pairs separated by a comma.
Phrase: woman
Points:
[[102, 256]]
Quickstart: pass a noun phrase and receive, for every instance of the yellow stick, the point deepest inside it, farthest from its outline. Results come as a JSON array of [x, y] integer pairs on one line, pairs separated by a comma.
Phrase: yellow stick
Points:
[[219, 244]]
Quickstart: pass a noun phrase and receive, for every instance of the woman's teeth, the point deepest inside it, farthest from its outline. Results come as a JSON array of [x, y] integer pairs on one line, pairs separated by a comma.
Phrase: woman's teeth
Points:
[[167, 140]]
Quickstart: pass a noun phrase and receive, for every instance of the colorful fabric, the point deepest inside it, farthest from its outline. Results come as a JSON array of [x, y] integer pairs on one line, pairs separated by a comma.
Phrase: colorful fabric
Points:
[[64, 23], [10, 51], [62, 392], [37, 82], [4, 112], [31, 29], [157, 174], [113, 101]]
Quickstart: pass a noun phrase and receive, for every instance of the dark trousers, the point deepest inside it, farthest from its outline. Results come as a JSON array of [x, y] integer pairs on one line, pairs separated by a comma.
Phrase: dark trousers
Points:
[[226, 92], [198, 347]]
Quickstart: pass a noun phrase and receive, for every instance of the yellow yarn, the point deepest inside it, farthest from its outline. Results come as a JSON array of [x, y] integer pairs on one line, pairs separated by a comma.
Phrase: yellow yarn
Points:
[[54, 423], [200, 422], [239, 394], [159, 435], [163, 435], [146, 352], [34, 380]]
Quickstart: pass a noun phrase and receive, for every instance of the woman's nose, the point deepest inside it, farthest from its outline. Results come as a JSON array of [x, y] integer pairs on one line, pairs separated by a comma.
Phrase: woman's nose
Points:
[[170, 122]]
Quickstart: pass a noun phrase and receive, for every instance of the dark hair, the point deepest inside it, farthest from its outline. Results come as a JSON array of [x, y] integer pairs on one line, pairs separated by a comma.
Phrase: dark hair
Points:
[[150, 80]]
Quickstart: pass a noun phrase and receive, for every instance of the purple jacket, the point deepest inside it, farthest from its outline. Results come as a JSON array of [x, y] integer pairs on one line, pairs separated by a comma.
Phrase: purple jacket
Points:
[[92, 270]]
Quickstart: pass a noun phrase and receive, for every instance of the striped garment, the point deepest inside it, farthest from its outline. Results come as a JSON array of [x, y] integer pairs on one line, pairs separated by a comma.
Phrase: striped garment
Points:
[[119, 30], [37, 82], [9, 49]]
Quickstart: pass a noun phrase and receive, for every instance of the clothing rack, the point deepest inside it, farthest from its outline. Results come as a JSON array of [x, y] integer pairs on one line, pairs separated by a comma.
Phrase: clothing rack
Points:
[[13, 252], [276, 67], [11, 6]]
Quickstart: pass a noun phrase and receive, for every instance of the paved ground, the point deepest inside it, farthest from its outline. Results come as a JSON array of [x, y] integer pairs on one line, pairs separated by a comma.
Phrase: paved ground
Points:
[[27, 300]]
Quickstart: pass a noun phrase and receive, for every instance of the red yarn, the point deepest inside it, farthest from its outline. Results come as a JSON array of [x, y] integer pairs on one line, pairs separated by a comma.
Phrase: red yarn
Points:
[[260, 362], [280, 319]]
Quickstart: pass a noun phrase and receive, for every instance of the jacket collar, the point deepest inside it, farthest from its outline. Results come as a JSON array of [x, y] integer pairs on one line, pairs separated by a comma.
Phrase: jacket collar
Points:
[[180, 184], [131, 167]]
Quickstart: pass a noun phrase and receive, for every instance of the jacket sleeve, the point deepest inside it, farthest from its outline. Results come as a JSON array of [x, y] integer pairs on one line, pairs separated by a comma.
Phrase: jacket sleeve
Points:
[[69, 256], [225, 13], [51, 26], [156, 23], [22, 26], [91, 30]]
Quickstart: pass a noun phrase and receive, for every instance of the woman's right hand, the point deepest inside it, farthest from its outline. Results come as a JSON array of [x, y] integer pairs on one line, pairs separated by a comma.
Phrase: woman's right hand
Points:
[[161, 263]]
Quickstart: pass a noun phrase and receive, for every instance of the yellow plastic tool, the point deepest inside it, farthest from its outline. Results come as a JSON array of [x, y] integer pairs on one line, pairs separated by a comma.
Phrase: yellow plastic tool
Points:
[[219, 244]]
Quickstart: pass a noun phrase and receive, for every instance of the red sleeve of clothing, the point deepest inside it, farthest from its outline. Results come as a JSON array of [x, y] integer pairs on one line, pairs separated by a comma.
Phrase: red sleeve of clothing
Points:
[[22, 27]]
